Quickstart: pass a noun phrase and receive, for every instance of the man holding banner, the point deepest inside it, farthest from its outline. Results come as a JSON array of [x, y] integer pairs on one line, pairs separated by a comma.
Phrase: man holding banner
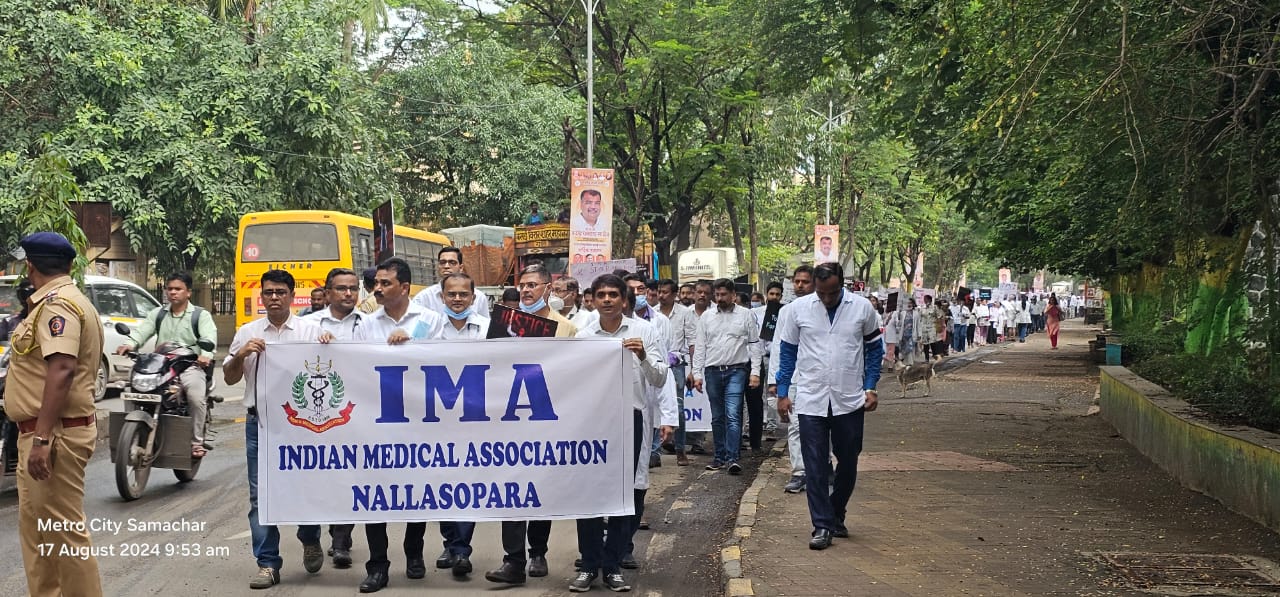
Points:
[[398, 321], [465, 323], [534, 285], [601, 555], [280, 325]]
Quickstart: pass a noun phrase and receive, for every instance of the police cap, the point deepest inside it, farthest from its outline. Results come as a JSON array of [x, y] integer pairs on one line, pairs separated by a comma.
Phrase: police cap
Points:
[[45, 244]]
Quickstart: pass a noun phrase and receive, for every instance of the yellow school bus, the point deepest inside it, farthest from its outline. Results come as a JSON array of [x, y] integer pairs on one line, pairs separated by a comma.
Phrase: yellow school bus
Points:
[[308, 244]]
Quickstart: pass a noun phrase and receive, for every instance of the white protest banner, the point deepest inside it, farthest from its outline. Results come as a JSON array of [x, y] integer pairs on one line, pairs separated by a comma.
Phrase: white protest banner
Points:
[[478, 430], [697, 410], [586, 273]]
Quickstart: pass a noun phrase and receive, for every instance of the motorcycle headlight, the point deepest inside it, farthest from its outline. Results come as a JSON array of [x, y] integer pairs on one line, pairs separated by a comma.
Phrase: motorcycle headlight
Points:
[[145, 382]]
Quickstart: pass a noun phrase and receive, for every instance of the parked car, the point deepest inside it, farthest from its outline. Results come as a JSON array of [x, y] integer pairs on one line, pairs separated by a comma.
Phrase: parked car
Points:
[[115, 300]]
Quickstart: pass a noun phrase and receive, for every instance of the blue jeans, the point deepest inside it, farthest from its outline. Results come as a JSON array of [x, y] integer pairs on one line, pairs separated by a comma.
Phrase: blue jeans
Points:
[[266, 539], [959, 332], [457, 537], [819, 438], [724, 388], [1022, 331]]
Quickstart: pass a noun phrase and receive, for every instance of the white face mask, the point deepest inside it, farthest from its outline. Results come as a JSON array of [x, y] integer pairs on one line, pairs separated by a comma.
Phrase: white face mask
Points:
[[556, 303]]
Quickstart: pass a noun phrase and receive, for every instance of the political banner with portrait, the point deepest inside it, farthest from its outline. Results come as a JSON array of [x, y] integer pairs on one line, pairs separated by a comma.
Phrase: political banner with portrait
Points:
[[461, 430], [590, 215], [826, 243]]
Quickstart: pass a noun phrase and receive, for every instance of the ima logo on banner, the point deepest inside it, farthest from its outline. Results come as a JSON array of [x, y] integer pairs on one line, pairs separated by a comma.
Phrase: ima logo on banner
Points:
[[318, 396]]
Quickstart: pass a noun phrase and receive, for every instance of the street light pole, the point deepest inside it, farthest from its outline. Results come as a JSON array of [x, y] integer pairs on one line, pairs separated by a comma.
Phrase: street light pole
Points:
[[826, 127], [590, 7]]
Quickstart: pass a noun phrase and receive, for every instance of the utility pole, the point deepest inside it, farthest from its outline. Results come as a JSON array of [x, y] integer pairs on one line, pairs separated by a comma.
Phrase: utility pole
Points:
[[826, 127], [590, 7]]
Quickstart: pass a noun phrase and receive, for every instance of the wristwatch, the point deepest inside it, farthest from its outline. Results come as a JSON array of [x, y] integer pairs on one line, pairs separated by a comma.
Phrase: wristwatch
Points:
[[40, 441]]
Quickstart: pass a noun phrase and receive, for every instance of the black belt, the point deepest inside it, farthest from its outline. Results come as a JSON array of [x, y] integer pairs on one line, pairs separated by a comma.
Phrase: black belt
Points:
[[723, 368]]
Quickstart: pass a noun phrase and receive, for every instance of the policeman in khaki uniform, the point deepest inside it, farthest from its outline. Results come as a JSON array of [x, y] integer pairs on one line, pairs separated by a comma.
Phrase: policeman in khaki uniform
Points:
[[56, 350]]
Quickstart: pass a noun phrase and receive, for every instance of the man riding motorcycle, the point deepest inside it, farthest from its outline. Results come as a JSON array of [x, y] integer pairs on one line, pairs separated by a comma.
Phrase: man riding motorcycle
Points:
[[24, 291], [185, 324]]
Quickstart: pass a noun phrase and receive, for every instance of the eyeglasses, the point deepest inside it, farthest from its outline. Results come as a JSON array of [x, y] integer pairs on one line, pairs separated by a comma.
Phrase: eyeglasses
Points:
[[529, 285], [345, 289], [274, 292]]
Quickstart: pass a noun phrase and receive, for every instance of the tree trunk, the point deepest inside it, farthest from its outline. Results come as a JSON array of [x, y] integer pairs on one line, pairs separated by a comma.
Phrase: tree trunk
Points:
[[736, 227], [753, 275]]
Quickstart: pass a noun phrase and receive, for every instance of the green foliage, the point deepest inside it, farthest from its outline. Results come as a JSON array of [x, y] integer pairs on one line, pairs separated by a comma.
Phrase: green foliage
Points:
[[183, 126], [1220, 384], [481, 143]]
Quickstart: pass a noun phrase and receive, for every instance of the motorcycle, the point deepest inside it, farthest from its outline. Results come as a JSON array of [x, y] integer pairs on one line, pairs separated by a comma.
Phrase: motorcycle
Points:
[[154, 431], [8, 429]]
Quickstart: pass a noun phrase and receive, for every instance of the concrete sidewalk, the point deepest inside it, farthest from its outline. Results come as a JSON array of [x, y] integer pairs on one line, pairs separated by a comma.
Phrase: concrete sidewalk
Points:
[[1000, 484]]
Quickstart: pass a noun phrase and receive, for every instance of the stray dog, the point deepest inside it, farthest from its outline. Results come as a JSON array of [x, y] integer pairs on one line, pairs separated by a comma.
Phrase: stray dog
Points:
[[908, 375]]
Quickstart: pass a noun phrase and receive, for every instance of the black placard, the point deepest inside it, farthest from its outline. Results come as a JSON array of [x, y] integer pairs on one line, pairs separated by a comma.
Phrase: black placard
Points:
[[514, 323]]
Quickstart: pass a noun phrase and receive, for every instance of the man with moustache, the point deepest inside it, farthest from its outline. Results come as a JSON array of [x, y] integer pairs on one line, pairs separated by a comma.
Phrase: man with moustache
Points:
[[449, 261], [802, 281], [399, 320], [341, 319], [279, 325], [535, 286]]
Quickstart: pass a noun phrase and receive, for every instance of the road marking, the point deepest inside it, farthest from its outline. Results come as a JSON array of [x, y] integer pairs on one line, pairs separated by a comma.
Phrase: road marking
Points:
[[244, 535]]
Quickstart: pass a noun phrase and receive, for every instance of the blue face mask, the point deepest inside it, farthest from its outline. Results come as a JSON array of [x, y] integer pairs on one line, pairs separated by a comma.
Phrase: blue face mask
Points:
[[462, 315], [756, 304], [534, 308], [642, 301]]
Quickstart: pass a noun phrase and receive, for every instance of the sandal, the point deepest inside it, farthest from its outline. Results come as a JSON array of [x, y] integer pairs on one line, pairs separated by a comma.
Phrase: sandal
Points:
[[198, 452]]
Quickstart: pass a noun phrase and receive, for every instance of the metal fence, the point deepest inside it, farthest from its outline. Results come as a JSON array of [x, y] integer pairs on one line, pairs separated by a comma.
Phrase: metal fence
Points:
[[222, 296]]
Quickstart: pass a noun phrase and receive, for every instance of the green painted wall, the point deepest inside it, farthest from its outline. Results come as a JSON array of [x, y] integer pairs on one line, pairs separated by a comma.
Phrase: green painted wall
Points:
[[1241, 470]]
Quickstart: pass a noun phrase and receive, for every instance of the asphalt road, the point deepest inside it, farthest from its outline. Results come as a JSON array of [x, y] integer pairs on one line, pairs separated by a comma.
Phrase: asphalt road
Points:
[[690, 511]]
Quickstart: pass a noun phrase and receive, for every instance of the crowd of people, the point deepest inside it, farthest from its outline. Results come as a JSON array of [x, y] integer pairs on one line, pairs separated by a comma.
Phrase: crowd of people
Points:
[[810, 366]]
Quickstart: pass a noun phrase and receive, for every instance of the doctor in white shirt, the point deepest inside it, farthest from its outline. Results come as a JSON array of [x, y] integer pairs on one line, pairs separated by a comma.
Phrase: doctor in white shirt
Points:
[[830, 351], [449, 261]]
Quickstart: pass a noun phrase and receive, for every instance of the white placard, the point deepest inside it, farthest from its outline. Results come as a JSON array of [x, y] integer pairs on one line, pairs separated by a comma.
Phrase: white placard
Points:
[[697, 410], [465, 430]]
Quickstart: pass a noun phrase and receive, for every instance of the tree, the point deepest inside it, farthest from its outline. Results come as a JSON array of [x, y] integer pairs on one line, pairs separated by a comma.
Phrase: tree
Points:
[[172, 118]]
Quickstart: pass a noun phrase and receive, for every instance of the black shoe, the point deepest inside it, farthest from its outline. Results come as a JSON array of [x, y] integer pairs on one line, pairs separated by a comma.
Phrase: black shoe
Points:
[[840, 533], [538, 566], [330, 552], [735, 468], [629, 562], [654, 461], [341, 558], [668, 448], [462, 567], [510, 573], [715, 465], [446, 560], [417, 568], [821, 539], [376, 581], [697, 449], [759, 452], [795, 485], [582, 582], [577, 564], [615, 582]]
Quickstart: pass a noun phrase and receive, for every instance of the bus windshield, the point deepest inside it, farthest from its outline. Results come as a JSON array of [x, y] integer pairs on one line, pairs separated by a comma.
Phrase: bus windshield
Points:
[[292, 241]]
